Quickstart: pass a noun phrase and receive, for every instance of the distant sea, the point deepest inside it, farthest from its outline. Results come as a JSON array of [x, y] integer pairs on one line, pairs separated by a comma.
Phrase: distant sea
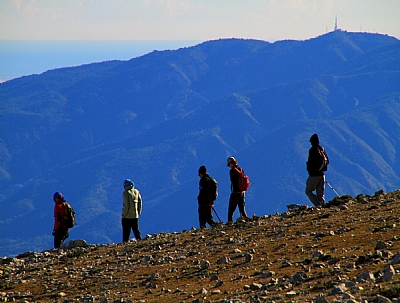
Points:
[[22, 58]]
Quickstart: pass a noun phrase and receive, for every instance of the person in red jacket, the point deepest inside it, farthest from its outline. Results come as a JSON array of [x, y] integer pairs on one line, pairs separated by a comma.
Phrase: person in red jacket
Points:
[[60, 231], [237, 197]]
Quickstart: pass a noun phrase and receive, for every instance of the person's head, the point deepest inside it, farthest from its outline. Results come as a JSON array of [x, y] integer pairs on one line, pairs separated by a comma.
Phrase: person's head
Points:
[[202, 171], [57, 197], [128, 182], [314, 140], [231, 162]]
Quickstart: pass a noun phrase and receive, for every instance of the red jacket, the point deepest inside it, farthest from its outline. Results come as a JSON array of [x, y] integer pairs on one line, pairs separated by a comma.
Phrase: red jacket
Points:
[[59, 212]]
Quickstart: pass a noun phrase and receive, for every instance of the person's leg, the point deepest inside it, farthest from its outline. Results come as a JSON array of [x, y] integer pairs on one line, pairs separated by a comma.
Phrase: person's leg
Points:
[[209, 216], [202, 216], [320, 187], [57, 241], [135, 228], [232, 206], [60, 235], [311, 185], [242, 204], [126, 230]]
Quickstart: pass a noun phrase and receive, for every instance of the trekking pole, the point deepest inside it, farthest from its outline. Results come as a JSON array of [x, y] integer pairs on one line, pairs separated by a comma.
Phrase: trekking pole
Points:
[[337, 195], [216, 214]]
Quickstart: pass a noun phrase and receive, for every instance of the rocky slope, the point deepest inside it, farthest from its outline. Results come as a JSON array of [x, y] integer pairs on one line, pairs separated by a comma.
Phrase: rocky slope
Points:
[[348, 251]]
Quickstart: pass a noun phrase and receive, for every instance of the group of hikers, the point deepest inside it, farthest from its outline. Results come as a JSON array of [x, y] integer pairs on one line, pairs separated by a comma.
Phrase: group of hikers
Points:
[[208, 191]]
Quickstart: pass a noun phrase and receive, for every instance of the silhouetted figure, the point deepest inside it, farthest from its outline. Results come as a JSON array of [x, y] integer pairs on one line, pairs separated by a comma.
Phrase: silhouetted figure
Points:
[[316, 165], [237, 197], [206, 197]]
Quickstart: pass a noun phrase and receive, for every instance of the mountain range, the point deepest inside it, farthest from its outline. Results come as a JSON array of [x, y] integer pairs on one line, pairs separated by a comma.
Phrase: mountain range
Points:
[[156, 118]]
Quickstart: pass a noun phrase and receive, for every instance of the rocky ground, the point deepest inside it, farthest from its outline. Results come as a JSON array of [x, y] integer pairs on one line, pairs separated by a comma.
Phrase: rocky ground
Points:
[[347, 251]]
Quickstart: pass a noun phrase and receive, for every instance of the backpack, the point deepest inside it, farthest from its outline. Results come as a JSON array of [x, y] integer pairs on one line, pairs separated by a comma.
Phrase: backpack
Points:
[[323, 161], [213, 189], [69, 216], [243, 180]]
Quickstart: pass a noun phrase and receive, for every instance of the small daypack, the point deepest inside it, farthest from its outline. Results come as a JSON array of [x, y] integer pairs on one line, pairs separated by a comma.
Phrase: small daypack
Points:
[[323, 161], [243, 180], [69, 216], [213, 189]]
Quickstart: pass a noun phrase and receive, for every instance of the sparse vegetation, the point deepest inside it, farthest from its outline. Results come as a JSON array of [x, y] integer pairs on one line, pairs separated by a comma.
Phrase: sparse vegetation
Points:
[[347, 251]]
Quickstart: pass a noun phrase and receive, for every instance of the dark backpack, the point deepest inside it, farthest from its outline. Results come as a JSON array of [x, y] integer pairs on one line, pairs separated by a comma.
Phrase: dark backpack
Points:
[[243, 180], [69, 216], [323, 159], [213, 189]]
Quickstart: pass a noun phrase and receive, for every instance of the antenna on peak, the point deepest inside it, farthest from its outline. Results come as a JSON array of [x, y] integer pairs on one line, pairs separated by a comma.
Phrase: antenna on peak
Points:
[[335, 28]]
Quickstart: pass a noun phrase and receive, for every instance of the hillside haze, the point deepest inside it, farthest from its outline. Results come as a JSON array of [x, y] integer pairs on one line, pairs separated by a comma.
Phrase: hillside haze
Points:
[[157, 118]]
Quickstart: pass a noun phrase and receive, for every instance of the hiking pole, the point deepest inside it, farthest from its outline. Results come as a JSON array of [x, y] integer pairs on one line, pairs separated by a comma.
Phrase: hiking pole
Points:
[[216, 214], [332, 189]]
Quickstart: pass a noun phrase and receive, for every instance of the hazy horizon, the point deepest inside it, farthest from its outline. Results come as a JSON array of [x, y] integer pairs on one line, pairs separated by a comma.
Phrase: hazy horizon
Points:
[[20, 58]]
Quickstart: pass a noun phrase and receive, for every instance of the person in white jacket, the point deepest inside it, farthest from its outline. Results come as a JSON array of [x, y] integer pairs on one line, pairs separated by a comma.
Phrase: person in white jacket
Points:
[[132, 208]]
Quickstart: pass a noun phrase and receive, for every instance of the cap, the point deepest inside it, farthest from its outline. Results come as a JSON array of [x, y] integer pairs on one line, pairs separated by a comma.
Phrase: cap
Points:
[[231, 159], [314, 139], [128, 182], [202, 169], [57, 194]]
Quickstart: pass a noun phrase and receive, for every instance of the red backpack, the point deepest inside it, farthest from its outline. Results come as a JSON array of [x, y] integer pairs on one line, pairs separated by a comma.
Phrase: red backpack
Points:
[[243, 180]]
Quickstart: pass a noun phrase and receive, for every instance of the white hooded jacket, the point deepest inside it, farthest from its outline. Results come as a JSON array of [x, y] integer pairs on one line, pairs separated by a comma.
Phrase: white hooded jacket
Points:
[[132, 203]]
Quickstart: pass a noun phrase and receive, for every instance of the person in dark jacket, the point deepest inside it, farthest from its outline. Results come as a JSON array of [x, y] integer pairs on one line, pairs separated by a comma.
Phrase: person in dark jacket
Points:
[[316, 178], [205, 198], [60, 231], [237, 197]]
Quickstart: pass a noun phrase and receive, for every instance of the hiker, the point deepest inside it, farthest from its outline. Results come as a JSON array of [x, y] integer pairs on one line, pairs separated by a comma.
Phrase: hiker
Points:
[[237, 197], [60, 231], [132, 208], [206, 197], [316, 165]]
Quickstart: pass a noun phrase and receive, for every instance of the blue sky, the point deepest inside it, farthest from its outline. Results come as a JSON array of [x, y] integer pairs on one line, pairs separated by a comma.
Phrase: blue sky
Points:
[[269, 20]]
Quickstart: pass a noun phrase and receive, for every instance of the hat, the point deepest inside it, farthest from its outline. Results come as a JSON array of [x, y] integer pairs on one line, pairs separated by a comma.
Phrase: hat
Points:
[[202, 170], [128, 182], [314, 139], [57, 194], [231, 159]]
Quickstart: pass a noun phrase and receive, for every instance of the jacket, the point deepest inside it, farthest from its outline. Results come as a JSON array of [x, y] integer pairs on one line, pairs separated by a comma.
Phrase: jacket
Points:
[[314, 159], [234, 176], [132, 203], [59, 213], [204, 197]]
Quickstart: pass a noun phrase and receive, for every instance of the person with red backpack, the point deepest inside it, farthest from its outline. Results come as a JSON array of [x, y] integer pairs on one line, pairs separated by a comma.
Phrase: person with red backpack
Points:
[[60, 230], [239, 185]]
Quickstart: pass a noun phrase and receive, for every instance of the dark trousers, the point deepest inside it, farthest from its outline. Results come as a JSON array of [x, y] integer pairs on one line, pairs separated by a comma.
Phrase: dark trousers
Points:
[[59, 236], [127, 225], [205, 215], [236, 200]]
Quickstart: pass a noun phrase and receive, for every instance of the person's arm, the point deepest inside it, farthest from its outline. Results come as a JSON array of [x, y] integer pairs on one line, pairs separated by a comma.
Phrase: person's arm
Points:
[[202, 191], [139, 203], [125, 205], [58, 216]]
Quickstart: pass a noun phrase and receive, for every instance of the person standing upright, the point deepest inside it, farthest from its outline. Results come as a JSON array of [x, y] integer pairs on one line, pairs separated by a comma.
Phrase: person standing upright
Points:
[[207, 194], [132, 208], [237, 197], [316, 166], [60, 230]]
